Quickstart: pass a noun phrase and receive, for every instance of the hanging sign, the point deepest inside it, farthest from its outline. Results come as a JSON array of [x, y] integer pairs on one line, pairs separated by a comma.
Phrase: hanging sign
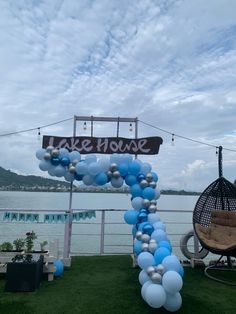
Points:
[[48, 218], [105, 145]]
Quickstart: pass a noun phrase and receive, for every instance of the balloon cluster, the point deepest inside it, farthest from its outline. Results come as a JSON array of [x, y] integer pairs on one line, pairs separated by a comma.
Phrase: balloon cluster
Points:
[[116, 169], [161, 275]]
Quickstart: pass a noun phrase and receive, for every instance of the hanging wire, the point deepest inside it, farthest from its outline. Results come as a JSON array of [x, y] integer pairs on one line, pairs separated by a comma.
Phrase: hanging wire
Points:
[[143, 122], [32, 129], [185, 137]]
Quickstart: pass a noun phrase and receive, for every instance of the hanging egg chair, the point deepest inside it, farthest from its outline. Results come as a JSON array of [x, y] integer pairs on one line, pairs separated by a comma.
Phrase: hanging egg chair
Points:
[[214, 218]]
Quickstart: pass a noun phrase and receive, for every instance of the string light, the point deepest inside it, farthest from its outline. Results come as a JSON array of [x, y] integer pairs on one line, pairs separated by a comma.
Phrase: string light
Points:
[[130, 127], [173, 140], [185, 137], [39, 134], [85, 125], [143, 122]]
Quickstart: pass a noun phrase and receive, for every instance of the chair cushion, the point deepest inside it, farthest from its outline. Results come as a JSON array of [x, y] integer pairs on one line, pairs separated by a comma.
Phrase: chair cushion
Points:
[[221, 234]]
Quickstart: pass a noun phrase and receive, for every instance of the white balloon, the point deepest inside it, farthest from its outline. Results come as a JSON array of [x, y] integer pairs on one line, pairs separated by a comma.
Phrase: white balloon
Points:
[[172, 281], [40, 153], [63, 152], [87, 179], [44, 165], [159, 235], [155, 295], [117, 183], [173, 302], [90, 158], [153, 217], [144, 288], [104, 163], [143, 277], [59, 171], [137, 202], [74, 156]]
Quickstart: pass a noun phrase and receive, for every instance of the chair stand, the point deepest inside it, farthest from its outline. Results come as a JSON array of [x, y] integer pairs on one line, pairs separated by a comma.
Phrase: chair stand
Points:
[[221, 267]]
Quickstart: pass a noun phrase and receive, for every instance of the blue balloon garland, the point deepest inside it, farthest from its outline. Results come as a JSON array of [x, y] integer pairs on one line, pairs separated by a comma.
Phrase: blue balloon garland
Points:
[[161, 274]]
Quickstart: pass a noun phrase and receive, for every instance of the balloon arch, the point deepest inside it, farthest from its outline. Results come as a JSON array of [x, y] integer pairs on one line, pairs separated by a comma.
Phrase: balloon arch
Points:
[[161, 274]]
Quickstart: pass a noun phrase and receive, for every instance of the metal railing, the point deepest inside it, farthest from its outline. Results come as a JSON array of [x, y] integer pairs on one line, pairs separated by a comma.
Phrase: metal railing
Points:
[[107, 233]]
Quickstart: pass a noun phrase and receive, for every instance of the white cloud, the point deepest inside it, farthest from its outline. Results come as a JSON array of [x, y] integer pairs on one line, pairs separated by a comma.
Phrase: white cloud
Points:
[[170, 63]]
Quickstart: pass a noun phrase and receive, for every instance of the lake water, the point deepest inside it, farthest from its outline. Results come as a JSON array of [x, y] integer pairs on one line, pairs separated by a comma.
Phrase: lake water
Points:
[[86, 233]]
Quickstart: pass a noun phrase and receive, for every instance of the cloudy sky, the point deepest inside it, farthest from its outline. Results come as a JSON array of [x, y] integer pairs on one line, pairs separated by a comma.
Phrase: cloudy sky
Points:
[[170, 63]]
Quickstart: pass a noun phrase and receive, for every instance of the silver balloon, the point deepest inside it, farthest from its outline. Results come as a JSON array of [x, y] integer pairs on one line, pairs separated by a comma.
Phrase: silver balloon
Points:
[[74, 162], [152, 241], [156, 278], [116, 174], [55, 152], [49, 149], [113, 167], [150, 270], [152, 247], [146, 203], [145, 238], [153, 184], [72, 169], [153, 202], [143, 184], [160, 269], [149, 177], [144, 247], [47, 156], [138, 235], [152, 208], [109, 174]]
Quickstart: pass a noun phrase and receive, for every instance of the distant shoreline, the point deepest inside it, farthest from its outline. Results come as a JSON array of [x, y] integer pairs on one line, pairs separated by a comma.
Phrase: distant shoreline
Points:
[[163, 192]]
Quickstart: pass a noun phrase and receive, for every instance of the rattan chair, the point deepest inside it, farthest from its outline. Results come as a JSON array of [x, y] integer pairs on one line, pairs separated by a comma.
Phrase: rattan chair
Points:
[[214, 221]]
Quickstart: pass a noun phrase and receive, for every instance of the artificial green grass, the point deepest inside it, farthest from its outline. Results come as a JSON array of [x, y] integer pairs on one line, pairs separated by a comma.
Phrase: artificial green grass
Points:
[[109, 284]]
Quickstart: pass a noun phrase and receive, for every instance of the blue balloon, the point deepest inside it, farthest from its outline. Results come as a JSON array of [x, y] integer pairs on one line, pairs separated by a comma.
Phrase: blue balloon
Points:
[[136, 190], [69, 176], [166, 244], [90, 158], [131, 217], [154, 176], [134, 167], [94, 168], [59, 171], [140, 177], [134, 231], [148, 193], [142, 217], [130, 179], [78, 177], [59, 268], [148, 229], [159, 235], [137, 247], [172, 263], [65, 161], [123, 169], [160, 254], [145, 168], [145, 259], [55, 161], [81, 167], [101, 178]]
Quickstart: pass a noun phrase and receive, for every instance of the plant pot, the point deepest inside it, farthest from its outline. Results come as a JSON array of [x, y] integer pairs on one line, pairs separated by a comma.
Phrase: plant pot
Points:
[[23, 276]]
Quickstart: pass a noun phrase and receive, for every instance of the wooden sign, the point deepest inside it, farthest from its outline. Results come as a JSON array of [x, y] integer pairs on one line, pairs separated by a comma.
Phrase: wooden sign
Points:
[[105, 145]]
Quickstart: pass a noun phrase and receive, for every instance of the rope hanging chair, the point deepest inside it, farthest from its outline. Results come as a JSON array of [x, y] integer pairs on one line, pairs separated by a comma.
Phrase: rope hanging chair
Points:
[[214, 220]]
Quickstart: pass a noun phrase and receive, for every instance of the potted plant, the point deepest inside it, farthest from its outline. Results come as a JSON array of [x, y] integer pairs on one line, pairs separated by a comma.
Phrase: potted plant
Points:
[[24, 273]]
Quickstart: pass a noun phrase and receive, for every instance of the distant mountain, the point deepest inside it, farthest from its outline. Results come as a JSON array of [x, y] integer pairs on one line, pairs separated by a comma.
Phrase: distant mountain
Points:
[[11, 181]]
